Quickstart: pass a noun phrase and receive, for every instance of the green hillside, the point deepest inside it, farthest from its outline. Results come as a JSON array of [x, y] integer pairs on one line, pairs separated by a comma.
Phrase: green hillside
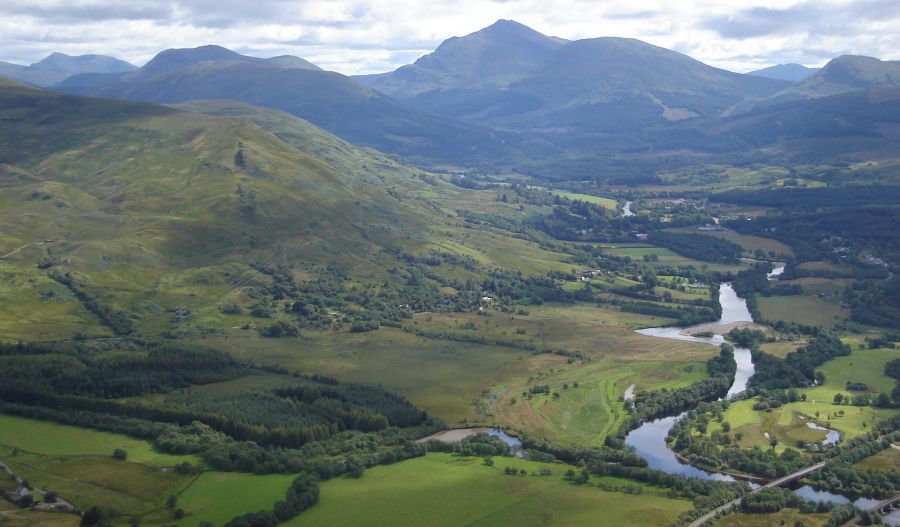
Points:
[[156, 207]]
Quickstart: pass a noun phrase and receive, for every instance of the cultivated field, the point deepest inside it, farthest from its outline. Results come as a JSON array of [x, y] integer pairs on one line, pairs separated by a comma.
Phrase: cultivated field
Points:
[[440, 489]]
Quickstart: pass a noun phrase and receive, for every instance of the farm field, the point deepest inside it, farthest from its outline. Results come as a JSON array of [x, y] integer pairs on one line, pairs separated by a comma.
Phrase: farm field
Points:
[[887, 460], [584, 405], [451, 379], [12, 516], [440, 489], [789, 422], [217, 497], [445, 378], [44, 437], [77, 464], [749, 242], [665, 257], [802, 309], [787, 517]]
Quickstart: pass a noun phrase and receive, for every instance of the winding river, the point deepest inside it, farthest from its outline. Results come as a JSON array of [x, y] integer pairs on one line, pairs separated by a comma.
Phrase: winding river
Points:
[[649, 439]]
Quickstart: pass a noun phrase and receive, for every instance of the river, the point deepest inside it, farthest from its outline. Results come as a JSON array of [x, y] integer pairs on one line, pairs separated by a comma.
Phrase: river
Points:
[[626, 210], [649, 439]]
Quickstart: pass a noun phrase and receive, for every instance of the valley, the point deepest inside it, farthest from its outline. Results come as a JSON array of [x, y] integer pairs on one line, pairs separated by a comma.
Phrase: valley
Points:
[[248, 292]]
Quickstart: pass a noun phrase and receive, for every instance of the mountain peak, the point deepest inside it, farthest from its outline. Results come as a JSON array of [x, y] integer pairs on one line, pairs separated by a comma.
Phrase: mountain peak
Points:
[[176, 58], [495, 56]]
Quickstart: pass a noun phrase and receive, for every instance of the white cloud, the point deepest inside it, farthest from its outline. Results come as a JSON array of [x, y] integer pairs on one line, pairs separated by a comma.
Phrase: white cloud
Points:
[[367, 36]]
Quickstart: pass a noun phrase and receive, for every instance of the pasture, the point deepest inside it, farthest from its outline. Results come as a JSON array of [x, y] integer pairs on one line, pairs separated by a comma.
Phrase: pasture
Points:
[[784, 517], [802, 309], [443, 490]]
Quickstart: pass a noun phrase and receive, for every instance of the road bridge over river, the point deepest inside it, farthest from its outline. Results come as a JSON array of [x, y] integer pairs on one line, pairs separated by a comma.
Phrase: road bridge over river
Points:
[[775, 483]]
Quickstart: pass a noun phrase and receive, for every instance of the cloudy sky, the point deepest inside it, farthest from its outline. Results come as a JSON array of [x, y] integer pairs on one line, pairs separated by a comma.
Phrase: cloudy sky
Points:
[[369, 36]]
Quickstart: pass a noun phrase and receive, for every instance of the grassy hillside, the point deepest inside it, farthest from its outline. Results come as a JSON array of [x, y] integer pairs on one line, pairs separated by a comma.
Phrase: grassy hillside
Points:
[[156, 207]]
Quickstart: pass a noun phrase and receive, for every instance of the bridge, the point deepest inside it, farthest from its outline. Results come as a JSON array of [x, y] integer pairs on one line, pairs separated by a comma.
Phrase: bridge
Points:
[[802, 473], [882, 507]]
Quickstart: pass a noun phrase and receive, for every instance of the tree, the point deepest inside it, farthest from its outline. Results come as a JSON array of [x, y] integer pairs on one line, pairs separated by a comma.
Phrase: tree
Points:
[[50, 497], [171, 502], [838, 398], [95, 516], [120, 454], [488, 462]]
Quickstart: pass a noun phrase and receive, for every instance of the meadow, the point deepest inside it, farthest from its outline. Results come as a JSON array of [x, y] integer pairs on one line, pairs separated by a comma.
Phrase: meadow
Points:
[[803, 309], [77, 464], [440, 489], [788, 517], [664, 257], [789, 422]]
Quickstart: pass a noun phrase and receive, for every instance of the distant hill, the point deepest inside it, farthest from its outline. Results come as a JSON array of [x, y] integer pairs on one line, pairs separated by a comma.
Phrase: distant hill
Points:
[[510, 76], [852, 125], [841, 75], [495, 56], [58, 66], [786, 72], [328, 99]]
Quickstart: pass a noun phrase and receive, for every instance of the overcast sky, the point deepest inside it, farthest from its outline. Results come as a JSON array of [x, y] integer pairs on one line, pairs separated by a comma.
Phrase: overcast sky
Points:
[[370, 36]]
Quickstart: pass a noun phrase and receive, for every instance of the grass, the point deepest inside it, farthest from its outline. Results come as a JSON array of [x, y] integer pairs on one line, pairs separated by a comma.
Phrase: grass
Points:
[[788, 423], [12, 516], [665, 257], [129, 488], [607, 203], [217, 497], [46, 438], [77, 464], [440, 489], [446, 378], [888, 460], [787, 517], [802, 309], [748, 242]]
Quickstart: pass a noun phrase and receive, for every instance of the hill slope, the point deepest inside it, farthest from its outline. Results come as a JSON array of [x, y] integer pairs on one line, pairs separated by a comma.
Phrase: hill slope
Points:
[[151, 207]]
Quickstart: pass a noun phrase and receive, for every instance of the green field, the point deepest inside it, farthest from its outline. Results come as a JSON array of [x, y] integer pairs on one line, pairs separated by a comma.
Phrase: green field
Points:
[[788, 423], [802, 309], [77, 464], [749, 242], [217, 497], [788, 517], [44, 437], [607, 203], [440, 489], [665, 257], [12, 516], [888, 460]]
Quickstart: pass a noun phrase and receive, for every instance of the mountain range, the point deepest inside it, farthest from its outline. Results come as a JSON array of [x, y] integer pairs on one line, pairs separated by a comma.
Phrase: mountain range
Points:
[[508, 96]]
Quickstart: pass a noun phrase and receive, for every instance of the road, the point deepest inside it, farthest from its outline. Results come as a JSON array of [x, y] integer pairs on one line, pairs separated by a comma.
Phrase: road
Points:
[[776, 483]]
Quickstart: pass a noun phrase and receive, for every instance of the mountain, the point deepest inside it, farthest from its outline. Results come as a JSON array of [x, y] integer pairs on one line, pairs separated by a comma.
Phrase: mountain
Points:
[[328, 99], [786, 72], [57, 67], [572, 94], [841, 75], [494, 57]]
